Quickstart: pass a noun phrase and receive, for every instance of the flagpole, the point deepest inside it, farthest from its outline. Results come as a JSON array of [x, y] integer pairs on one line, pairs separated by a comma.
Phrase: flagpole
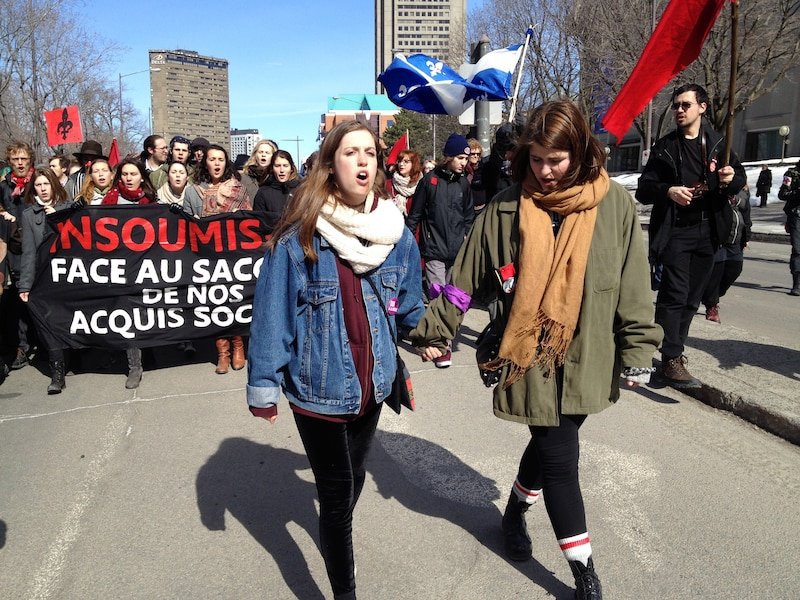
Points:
[[513, 109], [726, 159], [408, 141]]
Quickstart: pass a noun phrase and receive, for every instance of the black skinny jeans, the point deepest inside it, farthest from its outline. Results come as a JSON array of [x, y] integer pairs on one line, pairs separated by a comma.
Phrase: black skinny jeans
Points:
[[550, 463], [337, 453]]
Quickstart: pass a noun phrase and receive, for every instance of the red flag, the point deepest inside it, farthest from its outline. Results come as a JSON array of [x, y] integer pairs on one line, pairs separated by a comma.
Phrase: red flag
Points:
[[674, 45], [113, 154], [63, 125], [399, 146]]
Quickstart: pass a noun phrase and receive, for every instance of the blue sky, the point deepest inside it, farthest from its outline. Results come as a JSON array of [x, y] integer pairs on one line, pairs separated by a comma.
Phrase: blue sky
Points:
[[285, 58]]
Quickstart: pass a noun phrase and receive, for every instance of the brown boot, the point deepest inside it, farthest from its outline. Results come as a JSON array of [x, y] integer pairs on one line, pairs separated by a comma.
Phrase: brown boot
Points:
[[237, 360], [224, 355], [675, 372]]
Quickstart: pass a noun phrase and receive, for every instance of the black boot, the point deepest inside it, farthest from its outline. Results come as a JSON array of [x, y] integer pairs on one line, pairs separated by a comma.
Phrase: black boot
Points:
[[515, 531], [57, 382], [134, 368], [587, 583], [795, 286]]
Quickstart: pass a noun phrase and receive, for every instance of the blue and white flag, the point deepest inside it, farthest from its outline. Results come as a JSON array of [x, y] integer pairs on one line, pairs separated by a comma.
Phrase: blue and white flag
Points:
[[426, 85], [494, 71]]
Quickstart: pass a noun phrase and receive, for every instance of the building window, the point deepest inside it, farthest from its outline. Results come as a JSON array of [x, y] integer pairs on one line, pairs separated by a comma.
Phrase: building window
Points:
[[625, 158], [760, 145]]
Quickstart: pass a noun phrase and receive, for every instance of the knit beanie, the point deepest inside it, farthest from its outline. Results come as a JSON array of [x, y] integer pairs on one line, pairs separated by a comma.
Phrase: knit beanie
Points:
[[455, 145]]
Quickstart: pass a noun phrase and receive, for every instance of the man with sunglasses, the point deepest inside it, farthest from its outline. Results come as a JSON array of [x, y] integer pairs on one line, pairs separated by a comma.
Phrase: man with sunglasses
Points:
[[688, 185]]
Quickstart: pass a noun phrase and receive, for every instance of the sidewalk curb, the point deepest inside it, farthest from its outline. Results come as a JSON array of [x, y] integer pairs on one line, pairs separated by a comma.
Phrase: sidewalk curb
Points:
[[785, 426]]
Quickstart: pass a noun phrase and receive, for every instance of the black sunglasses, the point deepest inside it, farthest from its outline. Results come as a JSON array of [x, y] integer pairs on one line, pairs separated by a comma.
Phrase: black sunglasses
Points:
[[683, 105]]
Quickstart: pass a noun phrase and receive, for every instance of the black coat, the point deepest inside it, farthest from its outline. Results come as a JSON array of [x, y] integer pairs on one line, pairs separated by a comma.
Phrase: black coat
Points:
[[442, 207], [272, 198], [764, 183], [663, 172]]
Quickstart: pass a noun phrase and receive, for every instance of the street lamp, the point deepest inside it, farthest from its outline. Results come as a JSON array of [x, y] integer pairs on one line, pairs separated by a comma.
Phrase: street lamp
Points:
[[297, 139], [121, 76], [784, 132]]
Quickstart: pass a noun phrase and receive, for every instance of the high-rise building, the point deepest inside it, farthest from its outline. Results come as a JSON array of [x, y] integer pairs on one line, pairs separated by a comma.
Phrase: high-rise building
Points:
[[243, 141], [433, 27], [189, 95]]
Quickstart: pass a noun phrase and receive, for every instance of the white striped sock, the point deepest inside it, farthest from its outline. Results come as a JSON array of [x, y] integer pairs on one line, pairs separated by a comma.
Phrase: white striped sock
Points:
[[576, 547], [524, 494]]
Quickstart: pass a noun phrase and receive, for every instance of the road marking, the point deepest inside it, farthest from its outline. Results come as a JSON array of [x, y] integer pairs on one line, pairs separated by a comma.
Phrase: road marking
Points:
[[4, 419], [46, 579]]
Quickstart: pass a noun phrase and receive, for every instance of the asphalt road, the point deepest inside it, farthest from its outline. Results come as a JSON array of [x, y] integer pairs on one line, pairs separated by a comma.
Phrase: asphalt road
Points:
[[175, 491]]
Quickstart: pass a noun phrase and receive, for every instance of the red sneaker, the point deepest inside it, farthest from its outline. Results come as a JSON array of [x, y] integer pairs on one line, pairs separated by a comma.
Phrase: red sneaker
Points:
[[444, 361], [712, 313]]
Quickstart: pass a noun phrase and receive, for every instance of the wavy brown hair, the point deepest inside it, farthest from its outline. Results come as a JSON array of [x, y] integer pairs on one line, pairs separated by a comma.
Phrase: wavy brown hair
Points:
[[560, 125], [57, 191], [305, 205]]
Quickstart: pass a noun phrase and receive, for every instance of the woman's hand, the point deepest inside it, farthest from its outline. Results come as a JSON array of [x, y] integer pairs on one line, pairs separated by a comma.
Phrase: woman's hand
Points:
[[8, 216], [429, 353], [49, 210], [24, 296], [630, 384]]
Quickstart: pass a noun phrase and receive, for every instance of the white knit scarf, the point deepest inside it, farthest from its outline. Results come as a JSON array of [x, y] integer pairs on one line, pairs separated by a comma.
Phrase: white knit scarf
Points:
[[166, 195], [346, 229]]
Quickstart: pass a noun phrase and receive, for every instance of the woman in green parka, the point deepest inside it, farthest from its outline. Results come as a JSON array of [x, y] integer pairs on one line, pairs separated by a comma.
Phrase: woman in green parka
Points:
[[561, 252]]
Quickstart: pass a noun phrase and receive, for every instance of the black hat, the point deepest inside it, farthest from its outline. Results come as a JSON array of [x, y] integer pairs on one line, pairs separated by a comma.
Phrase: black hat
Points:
[[240, 160], [89, 150], [199, 142]]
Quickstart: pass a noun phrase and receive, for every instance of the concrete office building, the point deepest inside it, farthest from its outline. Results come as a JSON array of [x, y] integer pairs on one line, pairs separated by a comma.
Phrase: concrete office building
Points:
[[433, 27], [243, 141], [189, 95]]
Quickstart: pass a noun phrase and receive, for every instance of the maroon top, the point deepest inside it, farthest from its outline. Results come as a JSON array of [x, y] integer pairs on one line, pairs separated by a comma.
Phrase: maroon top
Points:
[[357, 326]]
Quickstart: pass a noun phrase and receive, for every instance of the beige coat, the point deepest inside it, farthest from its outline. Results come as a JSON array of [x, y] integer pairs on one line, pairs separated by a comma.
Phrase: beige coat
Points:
[[615, 327]]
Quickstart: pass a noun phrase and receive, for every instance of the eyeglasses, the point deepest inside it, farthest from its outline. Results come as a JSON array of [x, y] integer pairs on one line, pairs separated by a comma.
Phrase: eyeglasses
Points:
[[405, 160], [475, 153], [683, 105]]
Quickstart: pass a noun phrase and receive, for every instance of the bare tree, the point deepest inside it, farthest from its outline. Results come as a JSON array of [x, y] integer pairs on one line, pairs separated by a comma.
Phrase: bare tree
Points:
[[586, 50], [39, 72]]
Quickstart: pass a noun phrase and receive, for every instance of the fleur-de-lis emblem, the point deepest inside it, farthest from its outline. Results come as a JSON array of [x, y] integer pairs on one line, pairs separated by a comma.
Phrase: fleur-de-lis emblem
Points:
[[65, 125], [434, 68], [402, 91]]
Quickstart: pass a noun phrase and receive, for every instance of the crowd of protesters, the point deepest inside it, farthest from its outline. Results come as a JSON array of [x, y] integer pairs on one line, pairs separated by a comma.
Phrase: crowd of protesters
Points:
[[197, 176], [539, 213]]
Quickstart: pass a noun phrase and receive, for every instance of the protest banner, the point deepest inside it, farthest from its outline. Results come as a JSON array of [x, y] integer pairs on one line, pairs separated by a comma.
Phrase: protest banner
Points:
[[124, 276]]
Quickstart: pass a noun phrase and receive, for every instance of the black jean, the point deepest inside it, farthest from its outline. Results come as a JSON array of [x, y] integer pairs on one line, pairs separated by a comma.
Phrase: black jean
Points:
[[337, 453], [723, 276], [687, 261], [550, 463]]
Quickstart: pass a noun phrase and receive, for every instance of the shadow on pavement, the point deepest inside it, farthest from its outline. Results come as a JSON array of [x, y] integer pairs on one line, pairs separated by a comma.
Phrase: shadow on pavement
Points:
[[258, 484], [648, 391], [3, 529], [426, 479], [737, 353]]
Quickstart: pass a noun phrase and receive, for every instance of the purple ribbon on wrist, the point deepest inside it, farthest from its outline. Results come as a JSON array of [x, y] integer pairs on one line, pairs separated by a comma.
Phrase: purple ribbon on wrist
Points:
[[457, 297]]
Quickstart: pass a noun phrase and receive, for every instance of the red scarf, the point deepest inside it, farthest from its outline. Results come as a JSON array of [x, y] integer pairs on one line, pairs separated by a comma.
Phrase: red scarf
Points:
[[20, 183], [136, 196]]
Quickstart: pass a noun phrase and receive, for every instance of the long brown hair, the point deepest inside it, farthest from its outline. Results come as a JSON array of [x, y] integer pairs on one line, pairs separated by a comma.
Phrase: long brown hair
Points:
[[561, 126], [305, 205], [57, 191]]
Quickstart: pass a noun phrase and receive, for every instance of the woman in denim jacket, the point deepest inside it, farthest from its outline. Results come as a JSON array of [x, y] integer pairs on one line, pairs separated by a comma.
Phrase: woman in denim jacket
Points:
[[319, 333]]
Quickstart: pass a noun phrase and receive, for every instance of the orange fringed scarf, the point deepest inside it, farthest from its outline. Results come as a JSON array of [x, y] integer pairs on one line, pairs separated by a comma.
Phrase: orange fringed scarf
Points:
[[551, 273]]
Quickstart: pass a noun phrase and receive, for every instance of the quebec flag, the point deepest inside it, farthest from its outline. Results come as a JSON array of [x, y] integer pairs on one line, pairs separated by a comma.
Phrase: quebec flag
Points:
[[427, 85]]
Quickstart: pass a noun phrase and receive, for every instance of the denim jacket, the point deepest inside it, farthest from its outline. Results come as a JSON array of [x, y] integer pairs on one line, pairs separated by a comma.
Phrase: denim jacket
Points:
[[298, 340]]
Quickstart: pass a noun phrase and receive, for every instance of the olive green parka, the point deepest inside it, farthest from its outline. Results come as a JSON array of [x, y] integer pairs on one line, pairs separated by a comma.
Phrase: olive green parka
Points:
[[615, 328]]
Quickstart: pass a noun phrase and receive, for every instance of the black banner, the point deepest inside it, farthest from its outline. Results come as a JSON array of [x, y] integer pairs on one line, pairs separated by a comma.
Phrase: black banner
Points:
[[122, 276]]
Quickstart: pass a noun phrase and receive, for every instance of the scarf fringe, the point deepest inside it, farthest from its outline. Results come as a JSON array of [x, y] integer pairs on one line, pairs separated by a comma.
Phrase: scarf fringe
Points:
[[551, 349]]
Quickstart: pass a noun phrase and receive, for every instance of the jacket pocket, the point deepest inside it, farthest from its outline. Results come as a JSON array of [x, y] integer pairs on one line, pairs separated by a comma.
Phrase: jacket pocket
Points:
[[605, 268], [321, 298]]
